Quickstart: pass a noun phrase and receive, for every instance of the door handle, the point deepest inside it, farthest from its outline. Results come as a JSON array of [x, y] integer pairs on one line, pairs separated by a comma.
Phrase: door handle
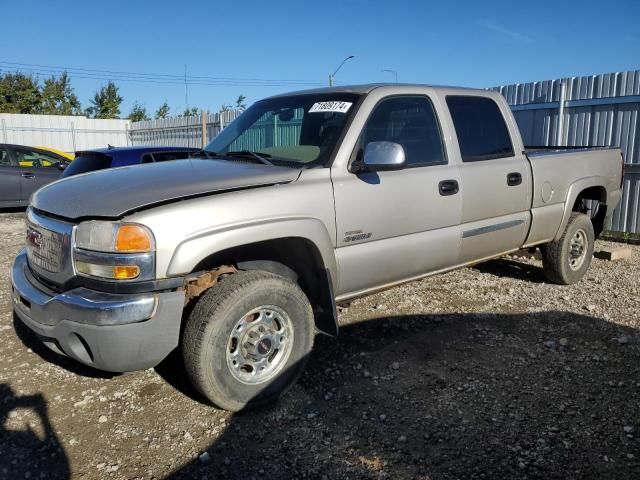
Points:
[[514, 178], [448, 187], [28, 175]]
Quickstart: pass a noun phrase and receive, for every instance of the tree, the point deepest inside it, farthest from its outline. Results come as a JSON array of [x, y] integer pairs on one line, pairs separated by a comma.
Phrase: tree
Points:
[[190, 112], [225, 107], [58, 97], [240, 105], [105, 103], [163, 110], [138, 113], [19, 93]]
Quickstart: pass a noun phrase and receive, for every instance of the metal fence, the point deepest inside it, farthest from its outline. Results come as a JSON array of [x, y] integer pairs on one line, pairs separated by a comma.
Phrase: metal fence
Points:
[[596, 110], [68, 133], [181, 131]]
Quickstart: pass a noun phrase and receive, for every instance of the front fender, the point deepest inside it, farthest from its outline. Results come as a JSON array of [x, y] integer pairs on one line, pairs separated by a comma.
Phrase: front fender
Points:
[[192, 250]]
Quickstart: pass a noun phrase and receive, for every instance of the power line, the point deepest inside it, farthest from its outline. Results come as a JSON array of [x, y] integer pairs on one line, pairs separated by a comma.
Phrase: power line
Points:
[[160, 78]]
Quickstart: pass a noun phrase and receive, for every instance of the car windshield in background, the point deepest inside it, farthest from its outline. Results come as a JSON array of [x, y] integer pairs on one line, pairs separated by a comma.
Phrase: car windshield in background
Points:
[[298, 130], [87, 162]]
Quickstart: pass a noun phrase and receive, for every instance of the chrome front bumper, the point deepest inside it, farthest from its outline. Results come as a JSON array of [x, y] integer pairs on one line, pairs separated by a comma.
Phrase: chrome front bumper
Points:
[[114, 332]]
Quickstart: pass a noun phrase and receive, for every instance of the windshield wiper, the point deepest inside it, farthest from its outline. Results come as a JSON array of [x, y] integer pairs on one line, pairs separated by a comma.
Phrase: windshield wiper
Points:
[[260, 157], [203, 153]]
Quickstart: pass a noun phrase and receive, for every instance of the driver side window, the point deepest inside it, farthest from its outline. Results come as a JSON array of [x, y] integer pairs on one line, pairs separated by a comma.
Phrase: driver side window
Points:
[[32, 159], [410, 122]]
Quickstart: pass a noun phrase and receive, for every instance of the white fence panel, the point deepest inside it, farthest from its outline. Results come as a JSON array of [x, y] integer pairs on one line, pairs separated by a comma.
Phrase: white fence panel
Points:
[[67, 133]]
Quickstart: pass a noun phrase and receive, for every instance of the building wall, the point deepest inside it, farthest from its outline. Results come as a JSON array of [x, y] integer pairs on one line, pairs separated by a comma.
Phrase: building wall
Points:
[[598, 110]]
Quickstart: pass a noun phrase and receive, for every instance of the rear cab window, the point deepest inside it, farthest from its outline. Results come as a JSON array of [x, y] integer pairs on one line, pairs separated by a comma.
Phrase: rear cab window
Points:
[[87, 162], [480, 127]]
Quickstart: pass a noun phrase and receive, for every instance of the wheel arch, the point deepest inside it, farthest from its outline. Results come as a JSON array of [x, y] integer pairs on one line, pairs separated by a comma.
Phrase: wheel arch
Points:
[[591, 188], [307, 259]]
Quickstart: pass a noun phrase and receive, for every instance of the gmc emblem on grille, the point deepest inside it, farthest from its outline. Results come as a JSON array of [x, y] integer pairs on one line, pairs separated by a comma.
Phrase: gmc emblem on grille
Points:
[[34, 237]]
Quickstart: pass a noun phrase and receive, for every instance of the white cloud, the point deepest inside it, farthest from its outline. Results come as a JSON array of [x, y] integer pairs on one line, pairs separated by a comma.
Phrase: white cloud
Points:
[[494, 27]]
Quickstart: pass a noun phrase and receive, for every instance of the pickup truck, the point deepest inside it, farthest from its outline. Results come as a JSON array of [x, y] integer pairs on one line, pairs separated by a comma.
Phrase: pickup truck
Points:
[[239, 256]]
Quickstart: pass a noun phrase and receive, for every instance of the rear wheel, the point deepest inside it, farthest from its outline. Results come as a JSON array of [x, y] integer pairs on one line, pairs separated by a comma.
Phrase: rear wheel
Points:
[[567, 259], [247, 339]]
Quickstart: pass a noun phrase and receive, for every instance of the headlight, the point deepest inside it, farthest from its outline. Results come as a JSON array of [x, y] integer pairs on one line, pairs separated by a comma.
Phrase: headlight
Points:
[[114, 251], [114, 237]]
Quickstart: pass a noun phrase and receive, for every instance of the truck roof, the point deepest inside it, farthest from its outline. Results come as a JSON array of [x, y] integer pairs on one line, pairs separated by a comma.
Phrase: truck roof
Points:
[[368, 87]]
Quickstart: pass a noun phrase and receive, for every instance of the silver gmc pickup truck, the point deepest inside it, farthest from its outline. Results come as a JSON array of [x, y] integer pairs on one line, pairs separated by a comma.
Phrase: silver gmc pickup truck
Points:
[[239, 255]]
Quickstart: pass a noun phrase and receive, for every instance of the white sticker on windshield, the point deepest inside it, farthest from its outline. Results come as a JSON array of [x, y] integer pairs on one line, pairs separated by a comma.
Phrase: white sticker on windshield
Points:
[[341, 107]]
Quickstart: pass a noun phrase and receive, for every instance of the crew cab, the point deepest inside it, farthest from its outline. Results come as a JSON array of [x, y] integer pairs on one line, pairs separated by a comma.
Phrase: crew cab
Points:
[[306, 200]]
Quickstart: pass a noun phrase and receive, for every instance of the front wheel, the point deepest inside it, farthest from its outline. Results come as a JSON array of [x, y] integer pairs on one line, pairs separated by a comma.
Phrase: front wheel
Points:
[[247, 339], [566, 260]]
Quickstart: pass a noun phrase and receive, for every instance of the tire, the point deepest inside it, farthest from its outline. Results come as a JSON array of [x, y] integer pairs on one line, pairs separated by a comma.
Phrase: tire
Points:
[[566, 260], [231, 342]]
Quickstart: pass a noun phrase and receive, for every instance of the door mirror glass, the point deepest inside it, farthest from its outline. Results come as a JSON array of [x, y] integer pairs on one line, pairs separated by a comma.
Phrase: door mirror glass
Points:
[[380, 156]]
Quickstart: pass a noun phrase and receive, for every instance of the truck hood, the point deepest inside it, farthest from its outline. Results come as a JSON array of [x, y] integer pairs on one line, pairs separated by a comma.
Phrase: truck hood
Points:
[[114, 192]]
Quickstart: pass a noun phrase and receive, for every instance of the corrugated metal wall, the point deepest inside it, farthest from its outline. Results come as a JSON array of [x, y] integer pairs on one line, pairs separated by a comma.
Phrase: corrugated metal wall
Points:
[[67, 133], [598, 110], [180, 131]]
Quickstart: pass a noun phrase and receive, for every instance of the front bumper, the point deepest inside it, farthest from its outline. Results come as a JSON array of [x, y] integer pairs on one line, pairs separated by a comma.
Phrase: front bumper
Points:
[[112, 332]]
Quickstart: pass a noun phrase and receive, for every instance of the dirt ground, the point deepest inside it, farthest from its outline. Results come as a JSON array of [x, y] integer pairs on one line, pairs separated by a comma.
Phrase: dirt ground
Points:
[[487, 372]]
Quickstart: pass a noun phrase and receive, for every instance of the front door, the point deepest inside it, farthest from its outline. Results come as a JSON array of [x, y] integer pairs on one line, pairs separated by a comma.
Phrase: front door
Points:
[[397, 225]]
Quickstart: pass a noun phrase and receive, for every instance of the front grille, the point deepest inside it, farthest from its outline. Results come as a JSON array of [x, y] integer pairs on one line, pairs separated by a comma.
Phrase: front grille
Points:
[[48, 242], [44, 248]]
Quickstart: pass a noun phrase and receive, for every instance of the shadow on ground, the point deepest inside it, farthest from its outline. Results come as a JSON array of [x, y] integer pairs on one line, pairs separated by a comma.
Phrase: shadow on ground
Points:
[[506, 268], [34, 444], [539, 395]]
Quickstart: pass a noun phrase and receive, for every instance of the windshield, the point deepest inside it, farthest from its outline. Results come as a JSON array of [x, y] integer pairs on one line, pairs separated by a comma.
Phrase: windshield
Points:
[[299, 130]]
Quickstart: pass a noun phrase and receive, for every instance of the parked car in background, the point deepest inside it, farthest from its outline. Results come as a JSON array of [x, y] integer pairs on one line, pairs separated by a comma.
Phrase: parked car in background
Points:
[[25, 169], [68, 155], [110, 157]]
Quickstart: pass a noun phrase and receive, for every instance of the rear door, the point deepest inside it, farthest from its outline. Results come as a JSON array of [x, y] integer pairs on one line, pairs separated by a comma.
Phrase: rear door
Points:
[[495, 179], [36, 170], [9, 178], [396, 225]]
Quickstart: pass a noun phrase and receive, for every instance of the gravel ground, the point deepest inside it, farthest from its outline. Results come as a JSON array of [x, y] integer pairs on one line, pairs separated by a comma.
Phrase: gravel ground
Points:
[[486, 372]]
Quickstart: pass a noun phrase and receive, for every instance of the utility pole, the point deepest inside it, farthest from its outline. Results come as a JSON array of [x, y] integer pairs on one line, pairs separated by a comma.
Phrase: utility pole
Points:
[[331, 77], [186, 89]]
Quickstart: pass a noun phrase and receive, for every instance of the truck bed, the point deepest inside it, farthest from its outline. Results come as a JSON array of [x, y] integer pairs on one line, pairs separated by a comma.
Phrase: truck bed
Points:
[[560, 174]]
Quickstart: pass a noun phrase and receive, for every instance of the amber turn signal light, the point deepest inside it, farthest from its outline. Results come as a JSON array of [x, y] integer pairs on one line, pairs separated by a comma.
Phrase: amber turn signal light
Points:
[[133, 238]]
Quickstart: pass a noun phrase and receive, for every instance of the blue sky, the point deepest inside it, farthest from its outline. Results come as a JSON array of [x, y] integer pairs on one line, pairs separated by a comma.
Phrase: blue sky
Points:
[[468, 43]]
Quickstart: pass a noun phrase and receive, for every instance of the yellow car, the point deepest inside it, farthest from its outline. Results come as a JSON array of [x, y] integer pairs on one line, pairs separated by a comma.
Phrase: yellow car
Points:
[[67, 155]]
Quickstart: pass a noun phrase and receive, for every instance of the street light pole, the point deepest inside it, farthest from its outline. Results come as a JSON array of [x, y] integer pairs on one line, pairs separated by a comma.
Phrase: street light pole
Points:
[[339, 67], [391, 71]]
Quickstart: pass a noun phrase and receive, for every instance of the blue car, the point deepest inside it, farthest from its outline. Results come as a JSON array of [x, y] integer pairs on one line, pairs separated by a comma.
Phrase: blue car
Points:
[[101, 158]]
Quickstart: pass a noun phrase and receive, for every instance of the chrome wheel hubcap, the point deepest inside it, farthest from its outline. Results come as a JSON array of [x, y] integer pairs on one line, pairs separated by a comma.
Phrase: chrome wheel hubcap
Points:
[[578, 249], [259, 344]]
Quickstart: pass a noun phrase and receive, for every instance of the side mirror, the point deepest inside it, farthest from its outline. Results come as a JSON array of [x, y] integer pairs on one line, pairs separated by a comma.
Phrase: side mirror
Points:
[[380, 156], [61, 165]]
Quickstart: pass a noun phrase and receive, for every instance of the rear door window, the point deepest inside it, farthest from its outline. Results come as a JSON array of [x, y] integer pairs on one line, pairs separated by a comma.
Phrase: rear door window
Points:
[[87, 162], [4, 158], [480, 128]]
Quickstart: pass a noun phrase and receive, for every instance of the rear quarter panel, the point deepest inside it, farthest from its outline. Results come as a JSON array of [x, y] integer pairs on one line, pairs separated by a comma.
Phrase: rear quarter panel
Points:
[[558, 179]]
